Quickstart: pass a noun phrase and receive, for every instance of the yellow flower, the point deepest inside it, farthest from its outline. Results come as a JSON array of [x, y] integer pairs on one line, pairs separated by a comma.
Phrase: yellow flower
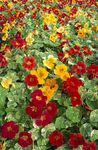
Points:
[[53, 37], [41, 74], [65, 76], [52, 84], [49, 19], [29, 38], [6, 82], [81, 33], [49, 63], [10, 5], [54, 28], [67, 8], [5, 29], [4, 37], [47, 92], [60, 69], [61, 29]]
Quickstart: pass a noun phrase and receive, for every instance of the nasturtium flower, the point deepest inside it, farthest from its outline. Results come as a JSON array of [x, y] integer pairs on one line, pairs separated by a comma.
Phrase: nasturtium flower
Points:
[[50, 62], [29, 62], [79, 68], [3, 61], [44, 120], [6, 82], [75, 140], [41, 74], [31, 80], [89, 145], [24, 139], [61, 71], [38, 98], [47, 91], [33, 110], [49, 19], [52, 83], [29, 38], [9, 129], [53, 37], [56, 138], [65, 76]]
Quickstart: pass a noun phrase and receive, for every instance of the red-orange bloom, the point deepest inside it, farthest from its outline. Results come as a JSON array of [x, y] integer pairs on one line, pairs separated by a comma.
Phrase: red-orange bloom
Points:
[[29, 63]]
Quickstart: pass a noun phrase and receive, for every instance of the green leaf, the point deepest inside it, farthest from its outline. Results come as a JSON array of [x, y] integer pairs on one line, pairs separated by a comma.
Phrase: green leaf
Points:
[[86, 129], [94, 116], [94, 135], [73, 114], [60, 123]]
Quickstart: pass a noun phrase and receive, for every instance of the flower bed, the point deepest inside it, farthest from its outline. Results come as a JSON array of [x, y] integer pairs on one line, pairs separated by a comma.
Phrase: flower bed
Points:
[[48, 75]]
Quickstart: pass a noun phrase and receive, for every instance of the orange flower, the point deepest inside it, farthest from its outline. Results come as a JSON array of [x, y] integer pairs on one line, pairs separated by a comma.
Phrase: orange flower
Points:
[[52, 84]]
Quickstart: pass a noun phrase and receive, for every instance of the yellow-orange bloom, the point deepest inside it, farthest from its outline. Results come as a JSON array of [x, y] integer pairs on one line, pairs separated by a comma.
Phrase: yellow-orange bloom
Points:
[[6, 82], [52, 84], [41, 74], [47, 92], [60, 69], [49, 63]]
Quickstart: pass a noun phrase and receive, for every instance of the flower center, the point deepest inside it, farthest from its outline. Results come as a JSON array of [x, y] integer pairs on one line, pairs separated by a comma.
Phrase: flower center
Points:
[[34, 109], [38, 98]]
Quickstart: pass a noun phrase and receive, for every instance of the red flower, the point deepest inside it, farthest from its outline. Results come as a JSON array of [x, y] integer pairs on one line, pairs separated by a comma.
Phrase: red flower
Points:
[[72, 84], [76, 99], [34, 15], [74, 50], [86, 50], [56, 138], [89, 146], [51, 108], [75, 140], [9, 129], [92, 71], [3, 61], [31, 80], [29, 63], [61, 57], [18, 42], [44, 120], [24, 139], [79, 68], [38, 98], [33, 111]]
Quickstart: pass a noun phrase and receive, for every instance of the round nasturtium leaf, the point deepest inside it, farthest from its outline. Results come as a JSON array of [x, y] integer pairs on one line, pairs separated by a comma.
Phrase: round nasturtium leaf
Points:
[[94, 116], [73, 114]]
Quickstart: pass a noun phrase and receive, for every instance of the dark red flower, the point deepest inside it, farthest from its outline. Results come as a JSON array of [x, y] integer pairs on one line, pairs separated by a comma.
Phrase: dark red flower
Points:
[[56, 138], [44, 120], [51, 108], [45, 27], [86, 50], [61, 57], [73, 50], [29, 63], [24, 139], [34, 15], [76, 99], [92, 71], [72, 84], [18, 41], [33, 111], [9, 129], [75, 140], [89, 146], [3, 61], [38, 98], [31, 80], [79, 68]]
